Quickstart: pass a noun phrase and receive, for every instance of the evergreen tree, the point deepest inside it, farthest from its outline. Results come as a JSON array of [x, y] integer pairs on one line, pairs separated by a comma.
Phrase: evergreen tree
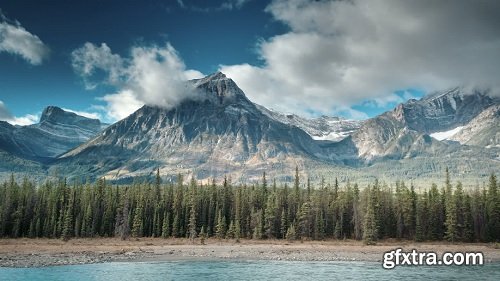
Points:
[[284, 225], [192, 214], [220, 231], [122, 227], [203, 235], [138, 226], [165, 229], [451, 211], [290, 233], [68, 229], [231, 230], [305, 220], [493, 210], [370, 230]]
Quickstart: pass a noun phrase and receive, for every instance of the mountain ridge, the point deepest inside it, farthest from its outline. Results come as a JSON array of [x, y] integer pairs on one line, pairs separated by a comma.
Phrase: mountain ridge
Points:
[[218, 131]]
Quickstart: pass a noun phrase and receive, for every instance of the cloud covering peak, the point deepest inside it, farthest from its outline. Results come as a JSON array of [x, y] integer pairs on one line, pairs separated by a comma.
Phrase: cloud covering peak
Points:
[[153, 75]]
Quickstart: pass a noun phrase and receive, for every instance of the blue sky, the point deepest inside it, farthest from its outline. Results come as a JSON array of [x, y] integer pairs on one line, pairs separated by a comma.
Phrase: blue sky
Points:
[[306, 57]]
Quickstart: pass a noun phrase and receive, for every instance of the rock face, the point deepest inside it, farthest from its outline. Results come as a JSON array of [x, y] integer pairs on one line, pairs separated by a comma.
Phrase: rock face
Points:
[[57, 132], [218, 132], [445, 110], [483, 130]]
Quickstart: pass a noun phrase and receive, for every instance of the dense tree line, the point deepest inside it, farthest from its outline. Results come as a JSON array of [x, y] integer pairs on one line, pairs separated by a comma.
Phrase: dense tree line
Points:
[[259, 211]]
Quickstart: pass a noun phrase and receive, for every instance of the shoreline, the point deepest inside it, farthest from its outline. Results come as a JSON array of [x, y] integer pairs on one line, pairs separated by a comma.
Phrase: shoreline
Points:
[[43, 252]]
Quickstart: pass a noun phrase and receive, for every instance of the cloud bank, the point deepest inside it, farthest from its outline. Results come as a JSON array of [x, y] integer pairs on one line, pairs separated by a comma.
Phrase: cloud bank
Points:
[[152, 75], [341, 53], [16, 40], [5, 115]]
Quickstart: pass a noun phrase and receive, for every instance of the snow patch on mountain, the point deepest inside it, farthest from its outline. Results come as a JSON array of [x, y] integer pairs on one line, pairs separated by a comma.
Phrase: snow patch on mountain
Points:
[[445, 135]]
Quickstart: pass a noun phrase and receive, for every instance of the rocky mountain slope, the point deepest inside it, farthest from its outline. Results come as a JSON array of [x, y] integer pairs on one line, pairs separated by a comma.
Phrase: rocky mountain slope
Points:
[[483, 130]]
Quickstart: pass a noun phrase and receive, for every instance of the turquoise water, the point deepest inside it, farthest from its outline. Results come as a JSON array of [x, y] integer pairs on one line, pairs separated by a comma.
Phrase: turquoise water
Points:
[[248, 270]]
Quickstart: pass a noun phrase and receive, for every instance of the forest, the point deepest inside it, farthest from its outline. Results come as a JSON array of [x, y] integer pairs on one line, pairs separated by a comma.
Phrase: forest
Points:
[[295, 211]]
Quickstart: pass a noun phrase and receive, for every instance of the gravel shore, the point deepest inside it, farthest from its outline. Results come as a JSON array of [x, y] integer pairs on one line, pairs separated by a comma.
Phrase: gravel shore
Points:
[[50, 252]]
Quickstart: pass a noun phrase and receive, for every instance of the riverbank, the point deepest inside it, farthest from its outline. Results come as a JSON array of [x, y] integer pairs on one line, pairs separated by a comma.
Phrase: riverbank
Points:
[[48, 252]]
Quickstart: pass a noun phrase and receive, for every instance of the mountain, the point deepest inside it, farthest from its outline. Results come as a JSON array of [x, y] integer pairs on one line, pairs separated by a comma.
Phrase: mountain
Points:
[[404, 132], [321, 128], [57, 132], [218, 132]]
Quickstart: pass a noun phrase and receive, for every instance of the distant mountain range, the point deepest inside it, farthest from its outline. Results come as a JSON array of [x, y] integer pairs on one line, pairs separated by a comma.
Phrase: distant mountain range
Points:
[[221, 132]]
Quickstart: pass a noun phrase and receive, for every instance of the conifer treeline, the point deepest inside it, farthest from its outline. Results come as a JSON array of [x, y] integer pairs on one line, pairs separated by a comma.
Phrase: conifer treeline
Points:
[[61, 210]]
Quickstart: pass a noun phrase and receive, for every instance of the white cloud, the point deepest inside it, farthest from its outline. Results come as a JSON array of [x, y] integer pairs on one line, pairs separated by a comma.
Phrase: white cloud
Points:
[[27, 119], [151, 75], [89, 59], [193, 74], [5, 115], [16, 40], [121, 105], [91, 115], [341, 53]]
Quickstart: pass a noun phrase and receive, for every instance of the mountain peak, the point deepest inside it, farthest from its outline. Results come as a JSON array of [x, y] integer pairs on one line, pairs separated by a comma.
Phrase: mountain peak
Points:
[[213, 78], [53, 112], [220, 89], [57, 115], [217, 75]]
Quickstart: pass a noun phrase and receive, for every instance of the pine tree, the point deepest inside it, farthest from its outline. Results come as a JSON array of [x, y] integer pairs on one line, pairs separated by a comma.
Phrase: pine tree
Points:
[[290, 233], [137, 225], [493, 210], [337, 232], [203, 235], [271, 210], [468, 233], [122, 227], [231, 230], [419, 224], [68, 229], [284, 226], [192, 214], [237, 231], [435, 210], [370, 231], [165, 229], [305, 220], [220, 231], [450, 211]]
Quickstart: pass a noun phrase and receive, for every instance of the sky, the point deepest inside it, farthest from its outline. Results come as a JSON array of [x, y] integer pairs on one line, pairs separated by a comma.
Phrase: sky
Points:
[[356, 59]]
